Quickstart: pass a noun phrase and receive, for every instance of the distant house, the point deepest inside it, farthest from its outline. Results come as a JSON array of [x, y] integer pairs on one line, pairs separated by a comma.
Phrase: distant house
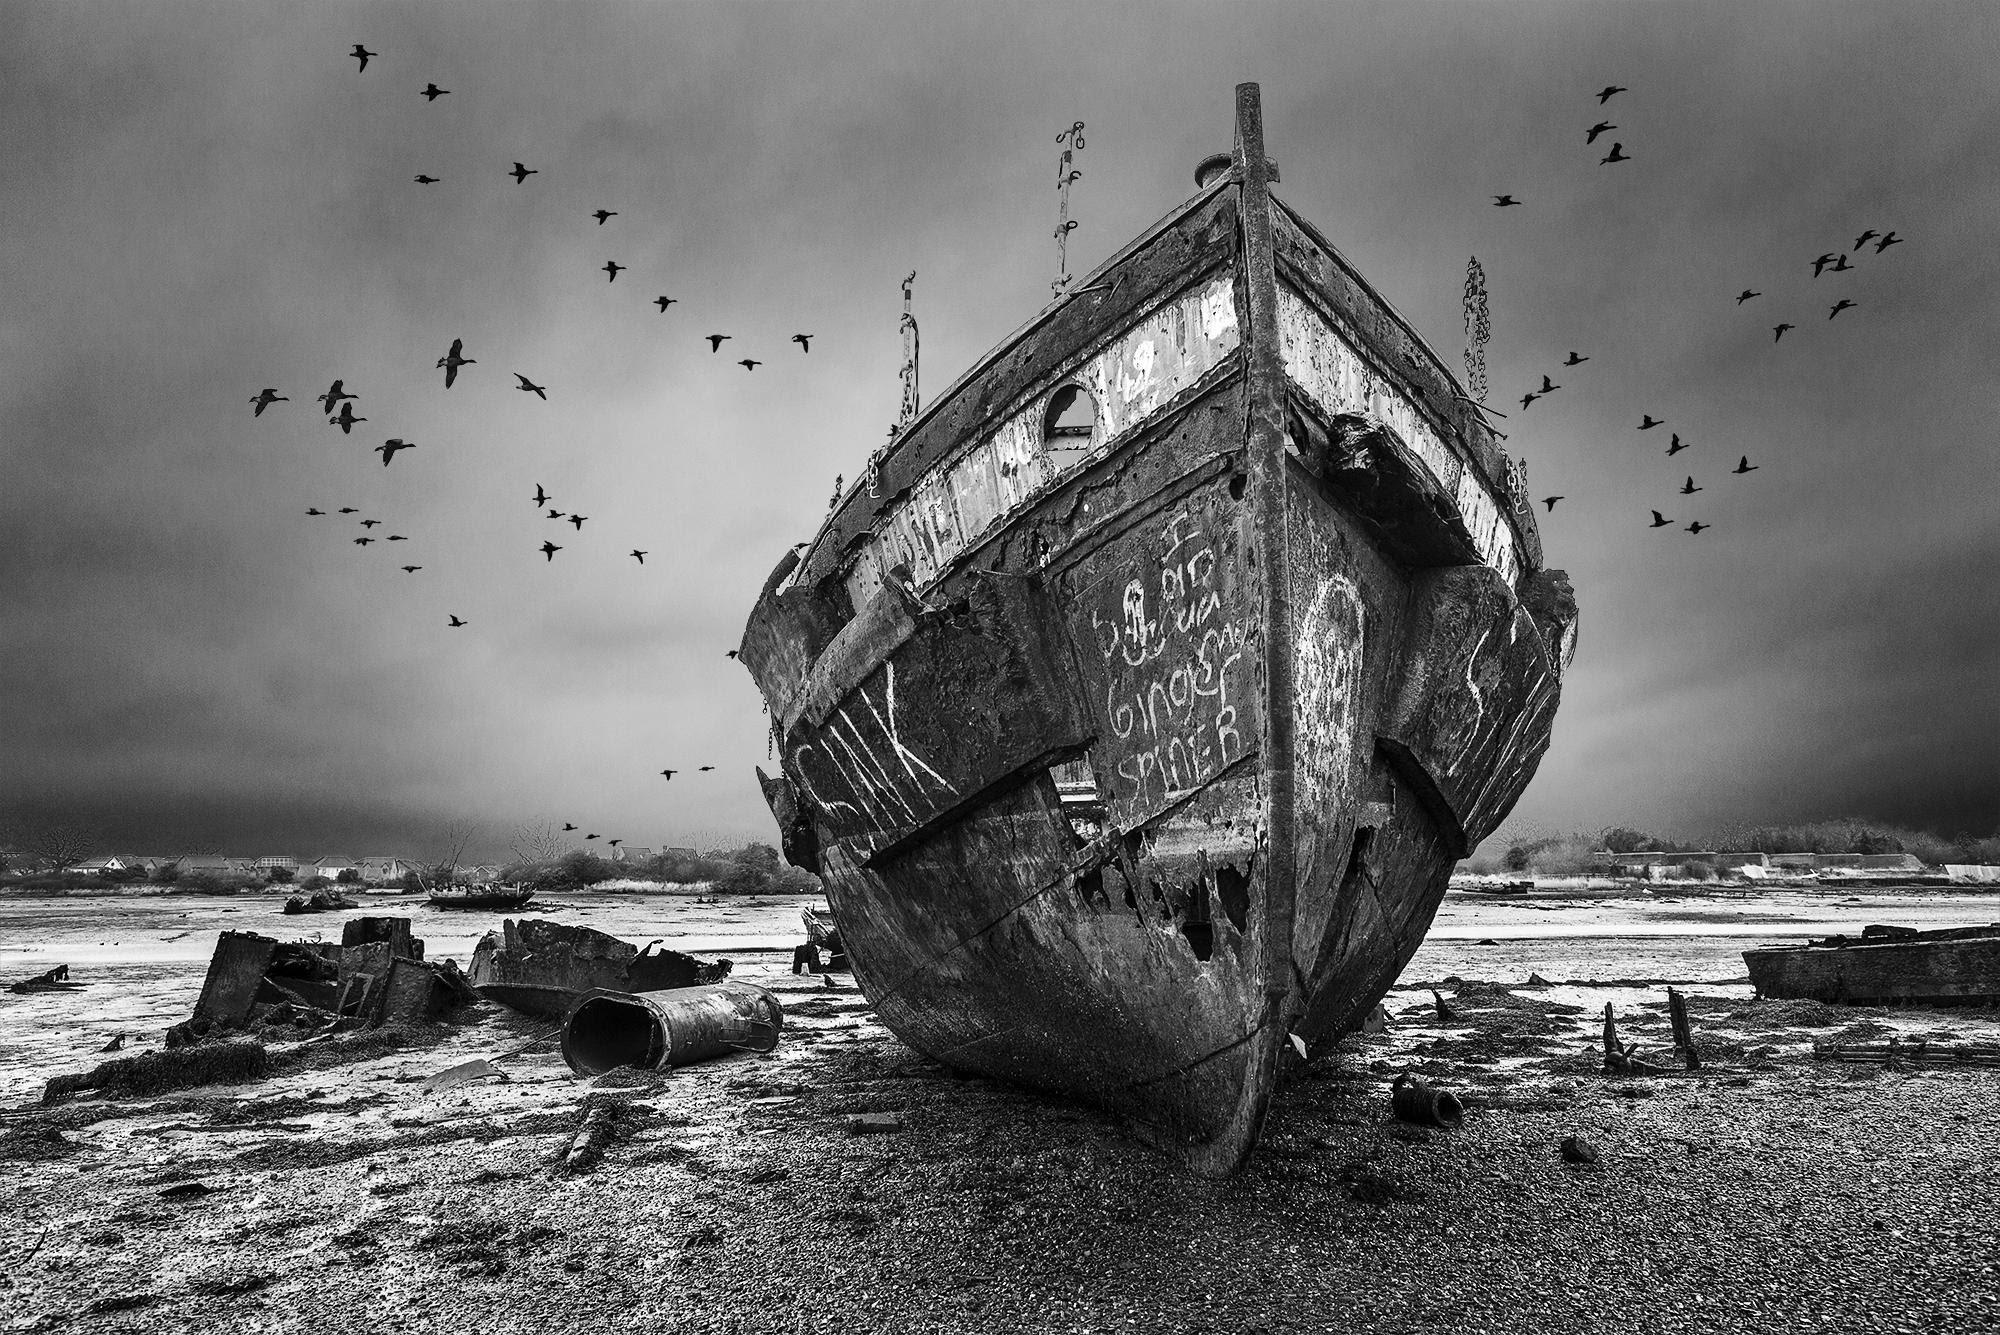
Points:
[[330, 867], [631, 853], [379, 868], [212, 864], [99, 866], [284, 860], [680, 854], [485, 871]]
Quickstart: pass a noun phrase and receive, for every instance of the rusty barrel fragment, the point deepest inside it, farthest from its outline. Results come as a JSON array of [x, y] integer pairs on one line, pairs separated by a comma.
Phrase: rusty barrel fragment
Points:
[[652, 1030]]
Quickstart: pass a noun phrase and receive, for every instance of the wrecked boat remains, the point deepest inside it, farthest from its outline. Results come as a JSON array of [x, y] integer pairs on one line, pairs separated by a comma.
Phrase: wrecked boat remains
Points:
[[483, 895], [1137, 703], [546, 968], [1952, 966]]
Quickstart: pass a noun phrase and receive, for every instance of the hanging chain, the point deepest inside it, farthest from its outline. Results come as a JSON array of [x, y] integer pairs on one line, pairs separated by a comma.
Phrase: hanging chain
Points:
[[1478, 328], [1071, 140]]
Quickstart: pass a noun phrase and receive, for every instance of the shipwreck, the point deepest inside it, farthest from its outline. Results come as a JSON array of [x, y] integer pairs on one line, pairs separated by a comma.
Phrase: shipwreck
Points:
[[1136, 704], [1885, 966]]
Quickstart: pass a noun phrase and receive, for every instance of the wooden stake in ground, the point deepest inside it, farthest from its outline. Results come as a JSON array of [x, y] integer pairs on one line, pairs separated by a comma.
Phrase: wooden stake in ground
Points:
[[1677, 1011]]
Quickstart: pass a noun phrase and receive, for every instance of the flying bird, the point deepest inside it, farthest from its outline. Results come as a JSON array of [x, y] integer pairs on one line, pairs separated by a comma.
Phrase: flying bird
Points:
[[1527, 399], [363, 542], [804, 341], [1505, 202], [732, 653], [705, 769], [411, 570], [541, 497], [614, 843], [553, 514], [1841, 265], [1550, 501], [1778, 331], [1891, 239], [578, 521], [664, 302], [1548, 386], [1688, 488], [422, 179], [348, 509], [346, 420], [1838, 307], [521, 173], [531, 387], [668, 773], [311, 511], [265, 400], [333, 396], [1744, 465], [567, 827], [1575, 360], [361, 53], [1819, 265], [602, 215], [1745, 295], [1608, 92], [387, 449], [432, 92], [370, 523], [1617, 154], [396, 537], [715, 341], [455, 621], [1864, 238], [451, 361], [590, 836], [749, 363], [1597, 129], [612, 267], [549, 550], [1647, 421], [639, 556], [1659, 521], [1697, 526], [1674, 446]]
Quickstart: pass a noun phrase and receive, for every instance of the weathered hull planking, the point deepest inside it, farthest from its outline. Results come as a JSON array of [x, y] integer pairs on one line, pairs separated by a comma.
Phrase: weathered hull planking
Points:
[[1885, 966], [1130, 750]]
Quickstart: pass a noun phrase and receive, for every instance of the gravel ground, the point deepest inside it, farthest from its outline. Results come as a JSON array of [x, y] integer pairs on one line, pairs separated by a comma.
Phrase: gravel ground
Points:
[[1769, 1194]]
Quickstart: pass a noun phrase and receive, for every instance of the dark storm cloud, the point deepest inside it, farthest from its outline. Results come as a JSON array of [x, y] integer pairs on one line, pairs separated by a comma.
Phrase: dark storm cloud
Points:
[[198, 201]]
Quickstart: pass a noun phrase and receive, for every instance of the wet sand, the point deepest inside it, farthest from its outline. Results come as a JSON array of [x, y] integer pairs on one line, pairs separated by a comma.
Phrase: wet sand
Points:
[[1767, 1192]]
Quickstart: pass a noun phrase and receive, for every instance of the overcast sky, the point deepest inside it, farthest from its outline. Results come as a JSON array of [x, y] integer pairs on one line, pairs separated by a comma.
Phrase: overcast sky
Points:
[[198, 201]]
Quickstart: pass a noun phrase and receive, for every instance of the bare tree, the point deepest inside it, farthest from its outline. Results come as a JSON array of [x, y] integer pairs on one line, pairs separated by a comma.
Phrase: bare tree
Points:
[[448, 846], [538, 843], [50, 844]]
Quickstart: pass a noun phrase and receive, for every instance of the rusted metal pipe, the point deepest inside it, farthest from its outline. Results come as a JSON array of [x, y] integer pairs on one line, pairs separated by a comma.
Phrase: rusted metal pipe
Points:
[[1413, 1100], [656, 1030]]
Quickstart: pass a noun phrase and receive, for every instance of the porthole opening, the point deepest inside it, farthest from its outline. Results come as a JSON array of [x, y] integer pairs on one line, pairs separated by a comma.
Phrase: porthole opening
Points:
[[1069, 427]]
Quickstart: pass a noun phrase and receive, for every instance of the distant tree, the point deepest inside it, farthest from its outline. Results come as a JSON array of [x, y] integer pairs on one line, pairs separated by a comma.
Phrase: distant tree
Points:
[[51, 845], [1515, 858], [1873, 841], [167, 873], [1620, 840], [315, 883], [349, 876], [279, 876], [538, 843], [445, 854]]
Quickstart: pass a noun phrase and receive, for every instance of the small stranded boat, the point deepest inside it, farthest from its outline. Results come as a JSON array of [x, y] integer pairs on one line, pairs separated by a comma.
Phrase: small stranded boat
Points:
[[1952, 966], [484, 895], [545, 968]]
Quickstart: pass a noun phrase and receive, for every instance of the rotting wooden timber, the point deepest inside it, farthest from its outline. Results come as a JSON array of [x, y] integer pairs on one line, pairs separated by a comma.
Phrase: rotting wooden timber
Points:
[[1952, 966], [1129, 751]]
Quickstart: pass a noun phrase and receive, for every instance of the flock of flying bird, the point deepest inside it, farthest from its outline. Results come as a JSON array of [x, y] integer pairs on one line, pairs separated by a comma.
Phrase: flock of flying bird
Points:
[[1831, 262]]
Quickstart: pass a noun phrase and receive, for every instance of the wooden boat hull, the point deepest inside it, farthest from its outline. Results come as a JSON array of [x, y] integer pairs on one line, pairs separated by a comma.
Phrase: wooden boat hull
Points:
[[1125, 770], [544, 968], [501, 899], [1953, 967]]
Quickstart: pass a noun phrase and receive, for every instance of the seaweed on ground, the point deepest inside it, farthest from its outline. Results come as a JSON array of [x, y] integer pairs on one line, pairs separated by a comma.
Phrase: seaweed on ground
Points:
[[158, 1072]]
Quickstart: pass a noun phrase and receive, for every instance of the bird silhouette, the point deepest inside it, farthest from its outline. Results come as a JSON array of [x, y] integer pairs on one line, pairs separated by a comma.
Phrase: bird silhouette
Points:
[[1864, 238], [432, 92], [731, 653], [1505, 202], [1697, 526], [578, 521], [1527, 399], [553, 514], [333, 396], [1840, 265], [311, 511], [387, 449], [346, 420], [363, 542], [370, 523], [1674, 446], [1548, 386], [1838, 307], [1574, 360], [703, 769], [1660, 521], [1550, 501], [1688, 488], [612, 267], [395, 537], [541, 497], [411, 570], [1609, 90], [590, 836], [614, 843], [1590, 136], [361, 53], [1888, 240], [749, 363], [804, 341], [1778, 331], [1819, 265], [348, 509], [521, 173], [265, 400], [602, 215], [668, 773], [1744, 465], [568, 827], [455, 621], [715, 341], [639, 556], [422, 179], [1745, 295], [1647, 421], [1617, 154], [530, 387], [451, 361], [664, 302], [549, 550]]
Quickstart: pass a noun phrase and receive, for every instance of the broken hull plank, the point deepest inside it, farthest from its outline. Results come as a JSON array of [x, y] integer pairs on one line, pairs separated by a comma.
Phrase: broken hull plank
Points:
[[1961, 970]]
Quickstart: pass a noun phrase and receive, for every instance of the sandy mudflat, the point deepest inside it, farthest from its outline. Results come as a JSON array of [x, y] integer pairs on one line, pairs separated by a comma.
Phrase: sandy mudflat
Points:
[[1769, 1192]]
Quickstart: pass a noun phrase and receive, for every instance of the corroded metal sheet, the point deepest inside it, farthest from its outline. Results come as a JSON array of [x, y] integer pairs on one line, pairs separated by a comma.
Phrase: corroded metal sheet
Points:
[[1167, 637]]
